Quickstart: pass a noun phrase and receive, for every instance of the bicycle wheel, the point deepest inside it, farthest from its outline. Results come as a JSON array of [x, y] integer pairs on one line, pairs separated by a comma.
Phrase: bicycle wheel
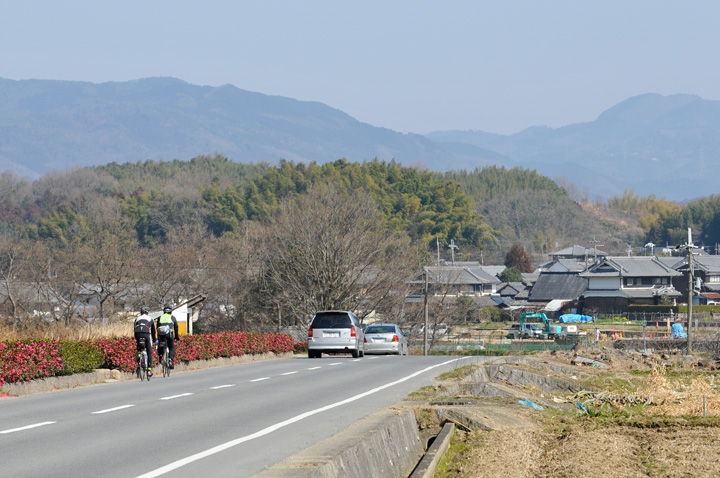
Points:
[[165, 366], [142, 359]]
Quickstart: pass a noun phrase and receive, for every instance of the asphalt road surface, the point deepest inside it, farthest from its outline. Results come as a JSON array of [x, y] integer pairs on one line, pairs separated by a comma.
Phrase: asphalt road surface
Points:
[[225, 421]]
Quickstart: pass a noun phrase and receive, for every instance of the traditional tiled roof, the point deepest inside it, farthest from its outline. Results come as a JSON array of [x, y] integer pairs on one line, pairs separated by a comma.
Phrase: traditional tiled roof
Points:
[[457, 275], [554, 285], [578, 251], [636, 266]]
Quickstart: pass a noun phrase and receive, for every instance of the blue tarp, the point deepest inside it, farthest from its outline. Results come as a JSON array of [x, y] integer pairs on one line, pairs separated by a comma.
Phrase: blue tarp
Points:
[[565, 318], [677, 331]]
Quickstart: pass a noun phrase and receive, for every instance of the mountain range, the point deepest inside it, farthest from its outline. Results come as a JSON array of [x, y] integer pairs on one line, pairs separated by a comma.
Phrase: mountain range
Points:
[[652, 144]]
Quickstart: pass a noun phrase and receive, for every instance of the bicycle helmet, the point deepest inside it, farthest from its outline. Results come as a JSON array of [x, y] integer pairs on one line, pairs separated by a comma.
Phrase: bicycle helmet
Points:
[[144, 310], [167, 308]]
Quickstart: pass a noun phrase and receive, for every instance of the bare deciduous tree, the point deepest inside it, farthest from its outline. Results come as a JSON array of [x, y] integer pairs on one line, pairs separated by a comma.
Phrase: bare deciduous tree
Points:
[[331, 250]]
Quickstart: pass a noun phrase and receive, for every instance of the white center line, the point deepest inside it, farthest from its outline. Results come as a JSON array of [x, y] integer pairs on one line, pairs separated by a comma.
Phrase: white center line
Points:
[[260, 379], [288, 373], [27, 427], [335, 363], [176, 396], [314, 368], [112, 409], [222, 386]]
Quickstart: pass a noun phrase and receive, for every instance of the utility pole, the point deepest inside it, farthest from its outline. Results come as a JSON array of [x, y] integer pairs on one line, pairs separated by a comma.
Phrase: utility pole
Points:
[[437, 244], [452, 246], [425, 328], [688, 247]]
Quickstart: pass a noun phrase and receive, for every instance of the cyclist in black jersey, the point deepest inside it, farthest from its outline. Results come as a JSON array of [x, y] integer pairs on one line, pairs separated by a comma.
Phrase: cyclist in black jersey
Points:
[[145, 331]]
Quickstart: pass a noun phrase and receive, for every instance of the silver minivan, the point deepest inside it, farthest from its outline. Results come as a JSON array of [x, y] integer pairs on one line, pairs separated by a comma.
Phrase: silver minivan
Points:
[[335, 331]]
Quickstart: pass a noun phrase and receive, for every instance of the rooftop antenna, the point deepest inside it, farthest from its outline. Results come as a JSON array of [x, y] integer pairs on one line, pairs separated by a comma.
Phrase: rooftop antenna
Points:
[[452, 246], [595, 246]]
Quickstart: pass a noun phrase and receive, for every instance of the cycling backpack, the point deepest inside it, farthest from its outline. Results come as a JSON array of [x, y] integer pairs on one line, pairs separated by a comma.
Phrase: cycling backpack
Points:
[[165, 324]]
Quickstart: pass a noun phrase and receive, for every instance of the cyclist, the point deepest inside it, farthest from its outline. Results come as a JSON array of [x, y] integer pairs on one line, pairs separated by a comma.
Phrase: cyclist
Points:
[[167, 327], [145, 331]]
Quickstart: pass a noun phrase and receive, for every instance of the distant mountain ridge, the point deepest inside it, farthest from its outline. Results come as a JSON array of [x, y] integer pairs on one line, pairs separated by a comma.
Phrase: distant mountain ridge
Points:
[[662, 145], [651, 143]]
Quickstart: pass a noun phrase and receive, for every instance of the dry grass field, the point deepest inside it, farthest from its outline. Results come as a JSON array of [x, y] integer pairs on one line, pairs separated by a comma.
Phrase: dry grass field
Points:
[[647, 421]]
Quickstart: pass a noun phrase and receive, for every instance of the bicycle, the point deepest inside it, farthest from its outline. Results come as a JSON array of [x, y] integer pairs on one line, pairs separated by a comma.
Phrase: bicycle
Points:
[[164, 360], [142, 362]]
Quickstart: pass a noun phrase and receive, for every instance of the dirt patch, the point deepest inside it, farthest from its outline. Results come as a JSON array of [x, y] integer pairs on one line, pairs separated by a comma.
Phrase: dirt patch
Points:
[[582, 449], [647, 415]]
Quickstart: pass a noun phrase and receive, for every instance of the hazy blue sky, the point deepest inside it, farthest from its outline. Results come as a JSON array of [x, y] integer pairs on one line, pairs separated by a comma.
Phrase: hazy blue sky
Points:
[[411, 66]]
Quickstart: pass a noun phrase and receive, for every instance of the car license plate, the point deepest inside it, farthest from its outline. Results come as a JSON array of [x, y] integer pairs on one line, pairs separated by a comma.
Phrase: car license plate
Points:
[[331, 334], [378, 340]]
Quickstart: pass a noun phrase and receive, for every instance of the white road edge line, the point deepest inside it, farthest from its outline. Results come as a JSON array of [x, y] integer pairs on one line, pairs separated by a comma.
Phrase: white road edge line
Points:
[[176, 396], [260, 379], [122, 407], [217, 449], [222, 386], [27, 427]]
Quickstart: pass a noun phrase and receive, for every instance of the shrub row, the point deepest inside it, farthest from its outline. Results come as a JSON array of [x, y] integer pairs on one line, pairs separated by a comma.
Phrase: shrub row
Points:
[[26, 360]]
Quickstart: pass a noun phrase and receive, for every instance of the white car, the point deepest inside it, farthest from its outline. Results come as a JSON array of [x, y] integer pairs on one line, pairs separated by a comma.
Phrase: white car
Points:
[[385, 339], [335, 331]]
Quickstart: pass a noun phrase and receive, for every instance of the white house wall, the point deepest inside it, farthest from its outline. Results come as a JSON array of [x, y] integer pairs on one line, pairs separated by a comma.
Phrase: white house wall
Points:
[[604, 283]]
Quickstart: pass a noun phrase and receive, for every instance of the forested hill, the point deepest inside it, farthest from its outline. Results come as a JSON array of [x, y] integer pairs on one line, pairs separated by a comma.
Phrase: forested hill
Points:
[[158, 200]]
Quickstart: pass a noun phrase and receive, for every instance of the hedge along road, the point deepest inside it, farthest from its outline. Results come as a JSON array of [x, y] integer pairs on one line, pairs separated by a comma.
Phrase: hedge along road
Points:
[[225, 421]]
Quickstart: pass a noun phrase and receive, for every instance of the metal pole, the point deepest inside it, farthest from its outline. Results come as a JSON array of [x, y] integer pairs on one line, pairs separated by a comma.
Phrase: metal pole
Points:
[[690, 294], [425, 328]]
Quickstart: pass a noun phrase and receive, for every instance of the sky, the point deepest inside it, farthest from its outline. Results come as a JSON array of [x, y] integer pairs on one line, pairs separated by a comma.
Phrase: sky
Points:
[[411, 66]]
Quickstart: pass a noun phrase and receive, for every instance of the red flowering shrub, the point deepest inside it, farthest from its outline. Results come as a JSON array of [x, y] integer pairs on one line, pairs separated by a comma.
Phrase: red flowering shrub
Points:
[[28, 360]]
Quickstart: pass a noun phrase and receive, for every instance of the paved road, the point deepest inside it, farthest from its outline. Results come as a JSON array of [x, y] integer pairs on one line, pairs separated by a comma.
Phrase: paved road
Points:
[[225, 421]]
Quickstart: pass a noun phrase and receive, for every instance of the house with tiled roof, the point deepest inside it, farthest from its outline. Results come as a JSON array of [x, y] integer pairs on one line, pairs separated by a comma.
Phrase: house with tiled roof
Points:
[[705, 267], [614, 283], [554, 290], [463, 279]]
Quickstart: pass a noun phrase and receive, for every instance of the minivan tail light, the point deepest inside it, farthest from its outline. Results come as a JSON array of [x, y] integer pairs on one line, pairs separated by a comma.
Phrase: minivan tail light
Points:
[[352, 331], [310, 332], [395, 338]]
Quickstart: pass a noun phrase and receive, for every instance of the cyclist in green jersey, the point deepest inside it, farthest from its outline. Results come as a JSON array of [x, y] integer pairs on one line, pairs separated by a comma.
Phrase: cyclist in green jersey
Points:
[[167, 329]]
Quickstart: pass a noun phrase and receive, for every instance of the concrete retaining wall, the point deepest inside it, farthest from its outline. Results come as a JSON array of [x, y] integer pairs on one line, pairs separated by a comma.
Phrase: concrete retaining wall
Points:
[[384, 444]]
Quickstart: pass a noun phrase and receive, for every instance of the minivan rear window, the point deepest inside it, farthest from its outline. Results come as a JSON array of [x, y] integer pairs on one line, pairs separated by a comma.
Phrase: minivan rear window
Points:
[[331, 320]]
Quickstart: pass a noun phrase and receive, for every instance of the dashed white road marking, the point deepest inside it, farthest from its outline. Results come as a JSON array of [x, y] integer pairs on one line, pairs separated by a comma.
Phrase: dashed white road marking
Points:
[[288, 373], [176, 396], [35, 425], [222, 386], [314, 368], [260, 379], [121, 407], [335, 363]]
